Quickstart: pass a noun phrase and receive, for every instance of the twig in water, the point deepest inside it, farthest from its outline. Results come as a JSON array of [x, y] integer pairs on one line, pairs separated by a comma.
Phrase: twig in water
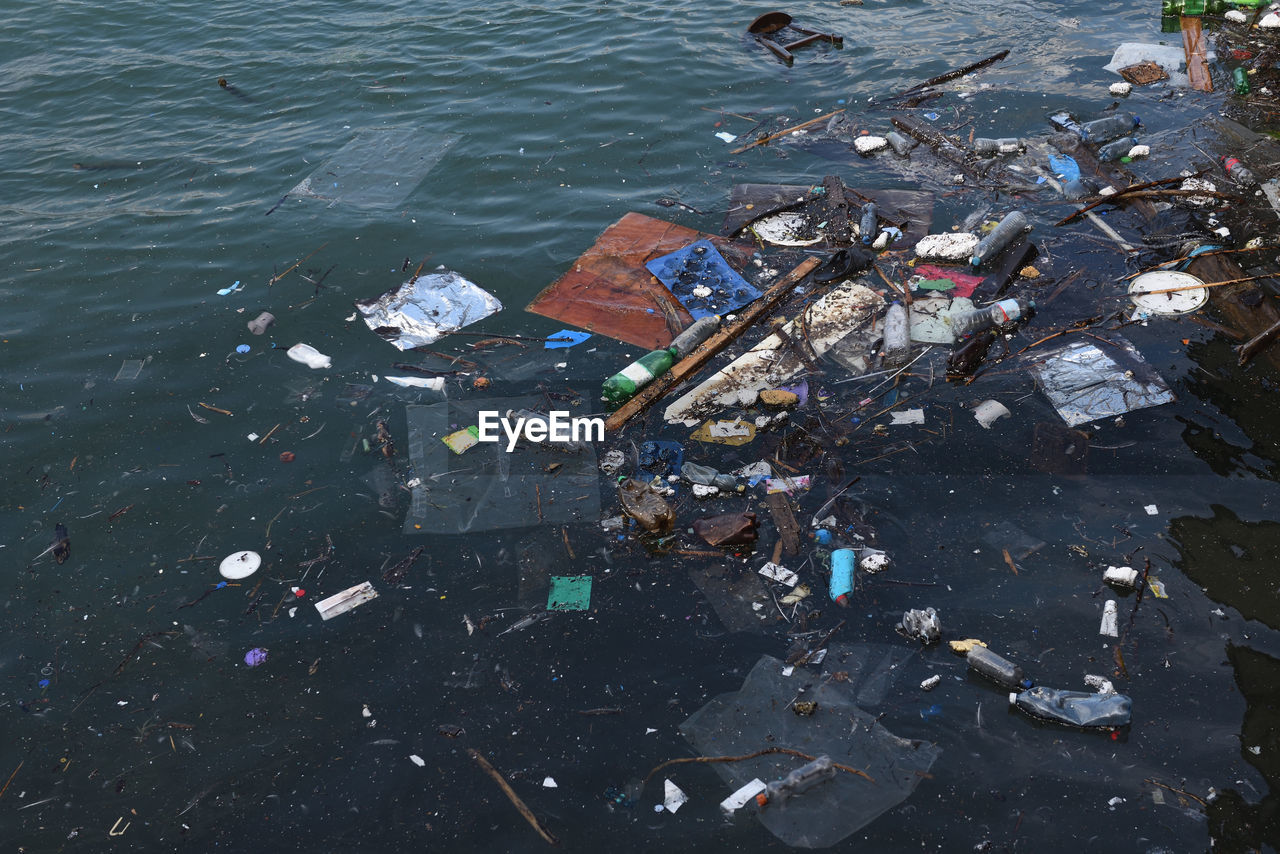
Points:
[[513, 797]]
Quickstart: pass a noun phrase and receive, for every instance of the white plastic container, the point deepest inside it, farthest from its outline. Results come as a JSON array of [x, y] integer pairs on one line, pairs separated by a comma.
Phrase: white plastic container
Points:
[[309, 356]]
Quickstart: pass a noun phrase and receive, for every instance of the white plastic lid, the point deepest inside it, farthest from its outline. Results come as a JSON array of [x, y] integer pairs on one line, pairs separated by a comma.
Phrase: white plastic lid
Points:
[[239, 565], [1173, 302]]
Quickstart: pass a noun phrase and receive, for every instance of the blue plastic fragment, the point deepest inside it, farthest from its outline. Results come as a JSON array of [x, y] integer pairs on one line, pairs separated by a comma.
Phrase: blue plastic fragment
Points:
[[700, 265], [933, 117], [1064, 166], [43, 683], [565, 338], [255, 656], [242, 348], [236, 286]]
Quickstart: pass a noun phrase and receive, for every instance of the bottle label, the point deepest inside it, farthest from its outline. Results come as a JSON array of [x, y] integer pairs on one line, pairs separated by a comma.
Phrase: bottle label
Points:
[[637, 373], [1008, 309]]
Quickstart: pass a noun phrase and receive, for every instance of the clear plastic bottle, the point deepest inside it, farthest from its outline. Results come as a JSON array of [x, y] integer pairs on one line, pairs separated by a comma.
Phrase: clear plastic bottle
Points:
[[1075, 708], [1013, 224], [1116, 150], [708, 476], [1107, 129], [798, 781], [1005, 145], [1065, 121], [900, 144], [997, 314], [1238, 172], [996, 668], [897, 336], [869, 226], [695, 334]]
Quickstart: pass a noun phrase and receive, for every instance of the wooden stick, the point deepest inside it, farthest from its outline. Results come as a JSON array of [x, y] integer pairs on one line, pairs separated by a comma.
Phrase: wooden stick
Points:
[[295, 264], [952, 75], [264, 439], [1205, 285], [1118, 194], [709, 348], [1248, 349], [11, 776], [513, 797], [766, 752], [764, 140]]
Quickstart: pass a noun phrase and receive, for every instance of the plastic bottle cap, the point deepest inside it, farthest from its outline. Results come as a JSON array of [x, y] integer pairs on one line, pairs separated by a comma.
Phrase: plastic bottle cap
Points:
[[1013, 698]]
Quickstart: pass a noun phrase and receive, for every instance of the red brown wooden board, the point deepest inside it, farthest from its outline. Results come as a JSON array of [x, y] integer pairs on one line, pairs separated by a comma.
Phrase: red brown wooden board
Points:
[[609, 292]]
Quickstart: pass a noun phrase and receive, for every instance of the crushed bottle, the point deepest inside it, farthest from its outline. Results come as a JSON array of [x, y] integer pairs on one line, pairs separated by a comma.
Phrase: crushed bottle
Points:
[[997, 314], [995, 667], [922, 624], [1106, 129], [984, 147], [900, 144], [707, 476], [897, 336], [869, 226], [798, 781], [646, 506]]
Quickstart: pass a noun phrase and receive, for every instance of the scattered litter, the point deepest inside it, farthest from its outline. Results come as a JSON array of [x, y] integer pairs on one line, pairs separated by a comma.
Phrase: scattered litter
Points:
[[426, 308], [255, 656], [309, 356], [989, 411], [787, 485], [417, 760], [931, 683], [341, 603], [1151, 509], [549, 783]]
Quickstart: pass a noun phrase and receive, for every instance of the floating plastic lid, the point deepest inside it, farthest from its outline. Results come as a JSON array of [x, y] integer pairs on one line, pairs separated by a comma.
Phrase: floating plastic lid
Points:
[[240, 565], [1152, 292]]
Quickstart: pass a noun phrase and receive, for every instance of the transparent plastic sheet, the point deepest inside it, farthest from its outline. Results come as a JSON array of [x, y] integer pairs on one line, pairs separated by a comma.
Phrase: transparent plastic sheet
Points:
[[377, 169], [760, 715], [1098, 378], [486, 488], [427, 308]]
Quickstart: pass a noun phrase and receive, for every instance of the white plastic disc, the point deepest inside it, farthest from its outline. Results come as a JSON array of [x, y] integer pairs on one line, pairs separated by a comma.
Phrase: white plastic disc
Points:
[[1173, 301], [240, 565], [787, 229]]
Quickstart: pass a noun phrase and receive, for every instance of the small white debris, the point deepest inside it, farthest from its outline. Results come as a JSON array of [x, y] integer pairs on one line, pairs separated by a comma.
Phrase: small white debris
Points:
[[743, 796], [873, 561], [672, 797], [1235, 16], [703, 491], [1107, 191], [1122, 576], [1151, 509], [1120, 89], [548, 783], [881, 241], [948, 247], [417, 760], [907, 416], [869, 144], [989, 411], [1101, 684], [252, 437], [1115, 802], [725, 136], [780, 574], [1139, 151], [931, 683], [1109, 626], [365, 713], [649, 731], [702, 292], [1256, 750], [1270, 21]]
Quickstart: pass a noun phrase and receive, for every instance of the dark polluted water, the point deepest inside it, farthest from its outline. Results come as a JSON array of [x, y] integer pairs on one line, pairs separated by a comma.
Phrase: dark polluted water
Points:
[[173, 173]]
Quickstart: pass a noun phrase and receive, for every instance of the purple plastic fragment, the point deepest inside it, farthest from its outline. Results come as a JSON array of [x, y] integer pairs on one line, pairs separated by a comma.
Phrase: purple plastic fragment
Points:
[[255, 656]]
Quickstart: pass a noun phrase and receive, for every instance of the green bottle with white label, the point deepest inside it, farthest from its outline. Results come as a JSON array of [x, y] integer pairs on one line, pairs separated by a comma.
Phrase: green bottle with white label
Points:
[[623, 385]]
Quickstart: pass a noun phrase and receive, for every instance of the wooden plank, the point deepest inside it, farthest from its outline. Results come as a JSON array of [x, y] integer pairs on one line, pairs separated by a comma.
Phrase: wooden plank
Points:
[[707, 350], [608, 291], [784, 518], [1193, 46]]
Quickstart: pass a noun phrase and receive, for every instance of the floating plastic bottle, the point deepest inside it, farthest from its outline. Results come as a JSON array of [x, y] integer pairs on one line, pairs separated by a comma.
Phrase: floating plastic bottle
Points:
[[1075, 708], [842, 565], [642, 503], [897, 336], [900, 144], [1005, 145], [995, 667], [997, 314], [1116, 150], [261, 323], [623, 385], [698, 331], [708, 476], [1013, 224], [1238, 172], [1240, 78], [798, 781], [1106, 129], [869, 226], [1064, 121], [309, 356]]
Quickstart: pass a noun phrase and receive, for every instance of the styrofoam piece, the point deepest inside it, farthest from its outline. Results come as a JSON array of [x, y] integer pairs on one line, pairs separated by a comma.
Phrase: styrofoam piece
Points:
[[1120, 89], [1110, 625], [1124, 576], [239, 565], [433, 383], [341, 603], [956, 246], [309, 356], [780, 574], [869, 144]]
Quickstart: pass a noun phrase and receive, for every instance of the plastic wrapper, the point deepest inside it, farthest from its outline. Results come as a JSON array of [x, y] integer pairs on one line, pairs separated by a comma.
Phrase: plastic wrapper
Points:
[[1094, 379], [377, 169], [427, 308]]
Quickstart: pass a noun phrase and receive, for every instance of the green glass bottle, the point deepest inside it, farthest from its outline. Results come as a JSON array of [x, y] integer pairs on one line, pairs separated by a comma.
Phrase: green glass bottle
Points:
[[623, 385]]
